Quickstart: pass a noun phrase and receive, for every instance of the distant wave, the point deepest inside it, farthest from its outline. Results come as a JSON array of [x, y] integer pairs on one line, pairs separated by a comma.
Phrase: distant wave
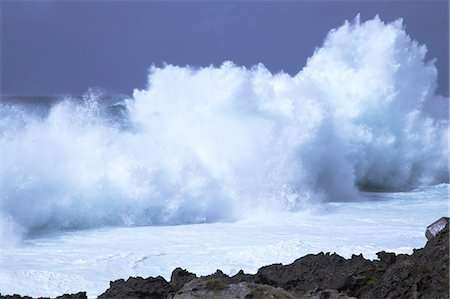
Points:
[[214, 143]]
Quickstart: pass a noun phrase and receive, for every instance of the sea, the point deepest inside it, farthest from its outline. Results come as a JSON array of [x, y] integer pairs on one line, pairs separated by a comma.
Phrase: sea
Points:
[[225, 167]]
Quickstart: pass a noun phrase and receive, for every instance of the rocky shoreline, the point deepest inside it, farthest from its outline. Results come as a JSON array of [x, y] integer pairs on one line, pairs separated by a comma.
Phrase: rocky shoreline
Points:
[[423, 274]]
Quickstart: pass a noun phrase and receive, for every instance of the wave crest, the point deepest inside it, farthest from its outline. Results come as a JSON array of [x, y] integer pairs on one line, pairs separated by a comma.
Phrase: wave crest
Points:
[[216, 143]]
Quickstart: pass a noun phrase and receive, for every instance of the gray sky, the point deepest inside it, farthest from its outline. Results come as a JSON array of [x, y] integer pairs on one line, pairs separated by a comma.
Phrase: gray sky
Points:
[[50, 47]]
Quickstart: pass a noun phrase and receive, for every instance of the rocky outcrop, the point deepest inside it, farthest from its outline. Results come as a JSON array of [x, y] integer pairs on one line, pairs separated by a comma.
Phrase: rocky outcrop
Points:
[[179, 278], [138, 287], [80, 295], [319, 272], [422, 275], [215, 288]]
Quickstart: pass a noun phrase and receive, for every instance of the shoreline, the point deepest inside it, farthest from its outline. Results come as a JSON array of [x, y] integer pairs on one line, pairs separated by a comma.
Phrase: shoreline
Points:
[[423, 274]]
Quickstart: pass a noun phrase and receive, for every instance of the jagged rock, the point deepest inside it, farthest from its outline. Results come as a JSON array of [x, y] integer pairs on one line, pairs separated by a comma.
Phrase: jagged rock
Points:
[[386, 258], [326, 294], [424, 274], [321, 271], [218, 275], [180, 277], [80, 295], [214, 288], [242, 277], [138, 288]]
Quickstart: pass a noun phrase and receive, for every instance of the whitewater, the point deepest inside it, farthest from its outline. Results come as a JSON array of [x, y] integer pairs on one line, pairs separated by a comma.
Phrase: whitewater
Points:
[[226, 167]]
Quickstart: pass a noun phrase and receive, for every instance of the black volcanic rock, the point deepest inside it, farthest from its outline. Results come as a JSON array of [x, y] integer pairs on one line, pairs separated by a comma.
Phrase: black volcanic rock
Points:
[[241, 276], [80, 295], [424, 274], [180, 277], [138, 288], [213, 288], [319, 272], [326, 294]]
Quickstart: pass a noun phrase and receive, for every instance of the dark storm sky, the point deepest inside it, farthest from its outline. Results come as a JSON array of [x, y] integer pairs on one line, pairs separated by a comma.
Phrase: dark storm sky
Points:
[[50, 47]]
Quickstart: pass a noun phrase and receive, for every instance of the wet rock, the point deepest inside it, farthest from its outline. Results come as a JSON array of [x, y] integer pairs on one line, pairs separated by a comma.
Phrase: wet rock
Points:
[[209, 288], [138, 288], [80, 295], [242, 277], [326, 294], [180, 277], [424, 274], [219, 275], [386, 258], [321, 271]]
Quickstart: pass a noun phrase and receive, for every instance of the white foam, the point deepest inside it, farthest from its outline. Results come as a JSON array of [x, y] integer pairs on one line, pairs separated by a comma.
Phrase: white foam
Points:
[[220, 143]]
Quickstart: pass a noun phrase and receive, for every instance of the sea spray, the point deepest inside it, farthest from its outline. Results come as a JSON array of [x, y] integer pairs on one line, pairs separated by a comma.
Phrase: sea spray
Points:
[[218, 143]]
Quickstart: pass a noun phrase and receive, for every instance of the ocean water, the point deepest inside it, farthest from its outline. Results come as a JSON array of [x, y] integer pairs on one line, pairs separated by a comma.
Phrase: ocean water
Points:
[[87, 260], [225, 167]]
